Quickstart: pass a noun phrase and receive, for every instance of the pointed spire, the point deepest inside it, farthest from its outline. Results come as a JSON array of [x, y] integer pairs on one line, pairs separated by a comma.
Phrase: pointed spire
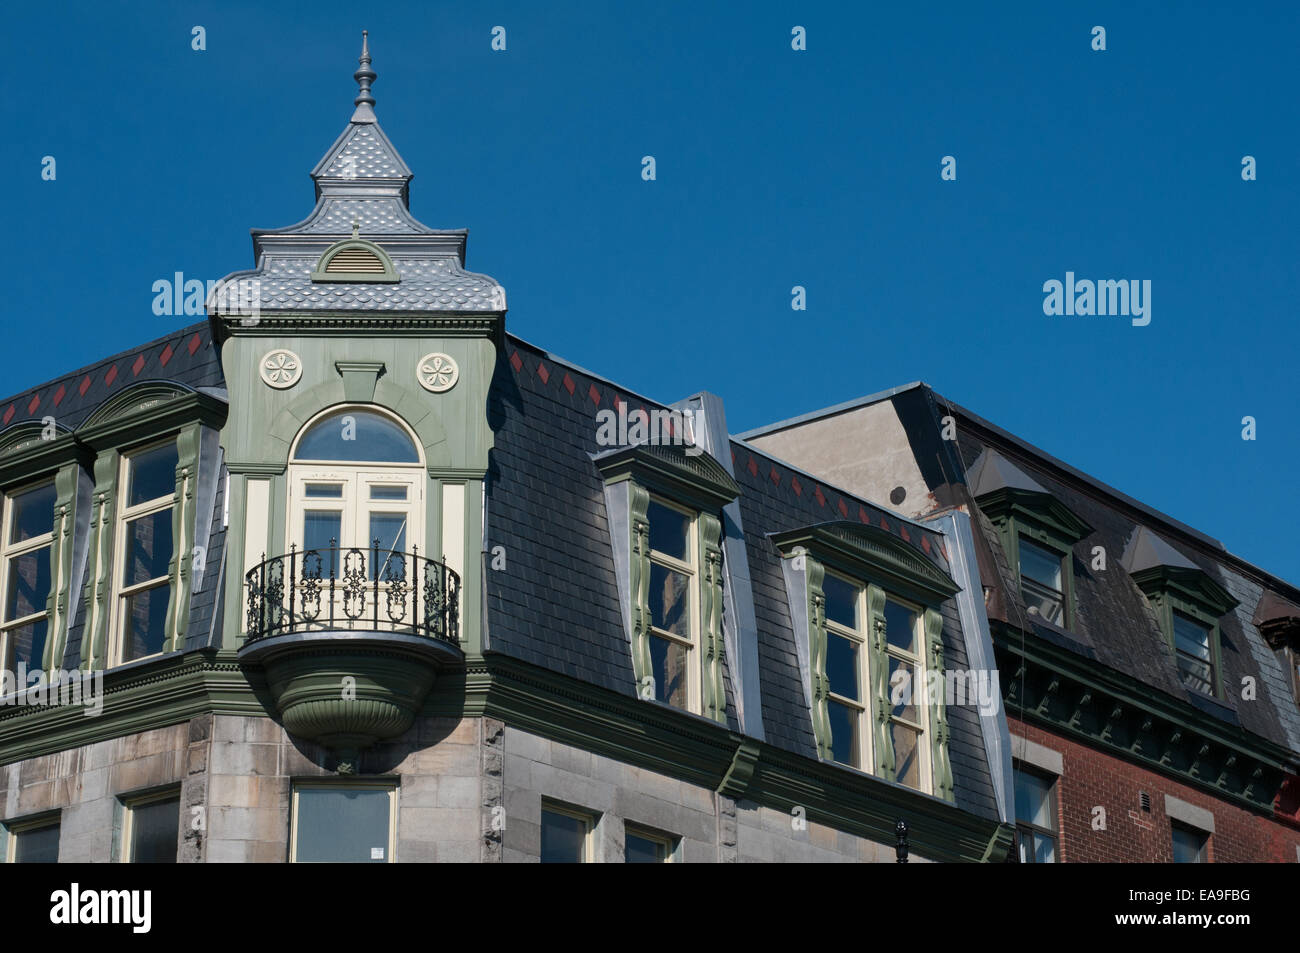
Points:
[[364, 76]]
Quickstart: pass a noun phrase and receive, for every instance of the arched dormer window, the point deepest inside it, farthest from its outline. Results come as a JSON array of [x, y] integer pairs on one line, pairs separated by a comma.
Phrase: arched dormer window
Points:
[[357, 480], [355, 260]]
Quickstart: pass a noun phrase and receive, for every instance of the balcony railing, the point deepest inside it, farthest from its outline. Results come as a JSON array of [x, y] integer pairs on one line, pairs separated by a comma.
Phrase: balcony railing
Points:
[[372, 590]]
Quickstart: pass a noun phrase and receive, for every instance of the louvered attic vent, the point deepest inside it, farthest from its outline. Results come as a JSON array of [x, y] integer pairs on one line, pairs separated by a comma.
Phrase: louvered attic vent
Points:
[[355, 260]]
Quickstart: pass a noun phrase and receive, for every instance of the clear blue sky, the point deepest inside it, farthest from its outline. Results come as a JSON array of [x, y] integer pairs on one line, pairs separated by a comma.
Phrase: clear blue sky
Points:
[[775, 168]]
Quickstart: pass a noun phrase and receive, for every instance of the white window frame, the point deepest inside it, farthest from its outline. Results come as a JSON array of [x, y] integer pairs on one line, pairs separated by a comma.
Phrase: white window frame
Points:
[[129, 807], [390, 851], [8, 553], [16, 828], [125, 516], [690, 569], [859, 636], [919, 691], [668, 842], [588, 819]]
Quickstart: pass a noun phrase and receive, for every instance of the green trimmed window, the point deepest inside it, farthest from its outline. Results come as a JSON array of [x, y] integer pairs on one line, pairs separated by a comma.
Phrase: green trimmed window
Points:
[[674, 596], [865, 605], [1042, 581], [145, 547], [26, 554], [666, 529], [1192, 648], [1188, 605]]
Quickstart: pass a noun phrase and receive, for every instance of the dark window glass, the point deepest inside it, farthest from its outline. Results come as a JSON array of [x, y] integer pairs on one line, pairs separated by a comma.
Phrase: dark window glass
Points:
[[907, 754], [148, 548], [355, 435], [29, 583], [155, 828], [1035, 818], [342, 825], [145, 626], [564, 838], [32, 513], [1189, 845], [323, 491], [668, 661], [27, 645], [841, 601], [37, 845], [669, 531], [1192, 649], [153, 474], [900, 626], [670, 600], [644, 850], [1040, 582], [842, 665], [905, 691], [390, 530], [845, 746], [388, 492]]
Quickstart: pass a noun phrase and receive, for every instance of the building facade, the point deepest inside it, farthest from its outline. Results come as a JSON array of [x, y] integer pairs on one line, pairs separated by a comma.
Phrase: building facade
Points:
[[1150, 676], [350, 573]]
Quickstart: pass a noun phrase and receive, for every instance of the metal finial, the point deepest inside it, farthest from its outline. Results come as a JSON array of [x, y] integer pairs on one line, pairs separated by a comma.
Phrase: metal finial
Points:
[[356, 228], [365, 75]]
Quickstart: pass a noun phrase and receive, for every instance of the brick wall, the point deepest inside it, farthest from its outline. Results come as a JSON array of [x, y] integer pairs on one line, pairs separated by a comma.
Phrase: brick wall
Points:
[[1091, 778]]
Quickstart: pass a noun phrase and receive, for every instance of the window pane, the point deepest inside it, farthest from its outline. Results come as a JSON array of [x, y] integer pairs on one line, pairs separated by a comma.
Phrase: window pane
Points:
[[841, 601], [842, 665], [1188, 846], [155, 828], [27, 644], [1191, 637], [32, 513], [152, 474], [342, 825], [1033, 800], [845, 741], [321, 529], [564, 838], [1044, 850], [668, 661], [643, 850], [390, 530], [38, 845], [324, 491], [145, 625], [904, 687], [1196, 674], [148, 547], [669, 531], [900, 626], [29, 583], [907, 755], [1041, 565], [357, 435], [388, 492], [670, 600]]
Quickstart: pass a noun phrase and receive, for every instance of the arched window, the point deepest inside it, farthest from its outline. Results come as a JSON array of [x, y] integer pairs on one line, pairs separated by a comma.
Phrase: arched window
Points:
[[357, 480]]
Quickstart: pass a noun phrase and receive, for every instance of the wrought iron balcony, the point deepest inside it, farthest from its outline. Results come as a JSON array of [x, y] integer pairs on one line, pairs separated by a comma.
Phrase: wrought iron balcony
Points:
[[370, 590]]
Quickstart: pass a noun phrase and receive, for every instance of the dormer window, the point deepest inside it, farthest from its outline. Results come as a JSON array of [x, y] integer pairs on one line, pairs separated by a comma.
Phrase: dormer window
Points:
[[1040, 581], [1195, 658], [355, 261]]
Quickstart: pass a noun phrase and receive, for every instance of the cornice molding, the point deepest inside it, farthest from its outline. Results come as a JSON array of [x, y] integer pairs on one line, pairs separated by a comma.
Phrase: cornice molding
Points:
[[671, 470]]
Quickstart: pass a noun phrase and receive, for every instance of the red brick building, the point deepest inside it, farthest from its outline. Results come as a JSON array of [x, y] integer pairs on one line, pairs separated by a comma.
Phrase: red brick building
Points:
[[1149, 676]]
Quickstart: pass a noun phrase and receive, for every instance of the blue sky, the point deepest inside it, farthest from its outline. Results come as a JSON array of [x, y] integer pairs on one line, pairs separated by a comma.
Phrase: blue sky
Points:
[[775, 168]]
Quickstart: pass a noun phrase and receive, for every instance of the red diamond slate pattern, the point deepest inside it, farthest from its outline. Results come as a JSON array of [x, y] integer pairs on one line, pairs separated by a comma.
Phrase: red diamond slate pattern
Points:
[[594, 395], [9, 414], [543, 373], [818, 496], [516, 361], [569, 385], [76, 395]]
